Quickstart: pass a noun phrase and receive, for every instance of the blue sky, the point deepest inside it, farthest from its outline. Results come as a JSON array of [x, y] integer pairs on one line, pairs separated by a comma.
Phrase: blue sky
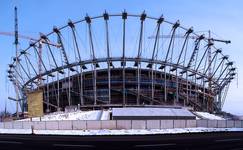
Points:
[[223, 17]]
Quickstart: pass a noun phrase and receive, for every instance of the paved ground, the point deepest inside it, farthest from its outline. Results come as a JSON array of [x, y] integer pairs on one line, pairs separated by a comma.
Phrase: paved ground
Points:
[[216, 140]]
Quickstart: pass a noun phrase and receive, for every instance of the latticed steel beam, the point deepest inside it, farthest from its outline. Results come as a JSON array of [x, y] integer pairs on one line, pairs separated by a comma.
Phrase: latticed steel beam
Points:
[[58, 33], [195, 50]]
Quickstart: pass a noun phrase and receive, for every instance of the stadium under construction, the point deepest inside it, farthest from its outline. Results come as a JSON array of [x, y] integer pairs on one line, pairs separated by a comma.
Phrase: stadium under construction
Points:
[[121, 60]]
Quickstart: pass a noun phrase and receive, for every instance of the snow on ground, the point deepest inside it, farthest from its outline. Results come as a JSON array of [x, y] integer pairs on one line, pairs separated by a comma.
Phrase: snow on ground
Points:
[[206, 115], [118, 132], [105, 115], [15, 131], [77, 115], [135, 132]]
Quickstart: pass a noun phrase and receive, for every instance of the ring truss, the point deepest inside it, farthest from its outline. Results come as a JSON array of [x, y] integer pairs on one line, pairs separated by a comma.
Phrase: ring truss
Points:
[[126, 41]]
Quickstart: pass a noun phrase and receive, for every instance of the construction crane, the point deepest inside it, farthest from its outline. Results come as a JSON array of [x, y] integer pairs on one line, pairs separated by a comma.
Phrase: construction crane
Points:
[[16, 43], [191, 37], [29, 38], [40, 42]]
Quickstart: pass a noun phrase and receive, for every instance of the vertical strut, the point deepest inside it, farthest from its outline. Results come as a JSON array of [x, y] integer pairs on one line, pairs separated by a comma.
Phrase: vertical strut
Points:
[[24, 70], [223, 59], [28, 60], [187, 92], [58, 93], [159, 21], [106, 18], [39, 56], [71, 25], [56, 30], [209, 66], [47, 96], [189, 31], [88, 20], [195, 50], [175, 26], [138, 62], [49, 48], [124, 17], [69, 89]]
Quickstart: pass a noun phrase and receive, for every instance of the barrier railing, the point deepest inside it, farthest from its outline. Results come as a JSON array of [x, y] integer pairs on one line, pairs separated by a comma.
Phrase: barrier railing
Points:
[[119, 124]]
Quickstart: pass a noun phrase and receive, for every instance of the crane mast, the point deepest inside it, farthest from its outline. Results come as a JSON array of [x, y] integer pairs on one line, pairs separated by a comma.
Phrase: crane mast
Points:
[[16, 43]]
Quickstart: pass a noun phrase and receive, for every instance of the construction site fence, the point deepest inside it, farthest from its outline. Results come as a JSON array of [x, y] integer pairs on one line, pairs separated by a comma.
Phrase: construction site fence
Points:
[[120, 124]]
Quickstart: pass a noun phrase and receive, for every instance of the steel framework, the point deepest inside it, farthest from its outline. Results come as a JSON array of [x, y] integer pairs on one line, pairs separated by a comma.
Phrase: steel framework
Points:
[[96, 48]]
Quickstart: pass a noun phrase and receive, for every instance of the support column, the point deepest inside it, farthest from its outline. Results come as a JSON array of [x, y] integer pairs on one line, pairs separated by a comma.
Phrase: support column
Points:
[[187, 92], [152, 85], [69, 89], [124, 17], [177, 88], [58, 92], [165, 84]]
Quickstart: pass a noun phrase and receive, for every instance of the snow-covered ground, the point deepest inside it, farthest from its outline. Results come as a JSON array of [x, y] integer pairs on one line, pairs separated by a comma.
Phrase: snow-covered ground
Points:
[[118, 132], [77, 115], [101, 115], [206, 115]]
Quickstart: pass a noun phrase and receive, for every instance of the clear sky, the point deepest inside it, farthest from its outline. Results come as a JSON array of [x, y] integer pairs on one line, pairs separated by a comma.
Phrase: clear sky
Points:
[[223, 17]]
